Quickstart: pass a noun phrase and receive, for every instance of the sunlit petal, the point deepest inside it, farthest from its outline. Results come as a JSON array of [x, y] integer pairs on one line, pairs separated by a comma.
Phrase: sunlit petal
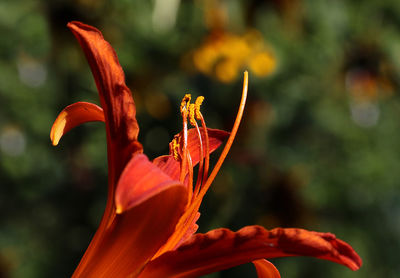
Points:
[[139, 181], [134, 236], [72, 116], [221, 249], [266, 269]]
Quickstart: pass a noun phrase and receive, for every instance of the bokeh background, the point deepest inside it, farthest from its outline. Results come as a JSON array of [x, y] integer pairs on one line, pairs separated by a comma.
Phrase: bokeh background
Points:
[[319, 146]]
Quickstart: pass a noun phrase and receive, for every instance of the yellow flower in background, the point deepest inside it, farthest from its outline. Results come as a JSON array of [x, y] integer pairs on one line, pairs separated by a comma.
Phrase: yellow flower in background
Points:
[[223, 55], [227, 70], [262, 64]]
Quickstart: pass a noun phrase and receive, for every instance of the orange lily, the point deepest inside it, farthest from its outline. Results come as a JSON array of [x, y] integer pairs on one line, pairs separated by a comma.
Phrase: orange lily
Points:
[[149, 225]]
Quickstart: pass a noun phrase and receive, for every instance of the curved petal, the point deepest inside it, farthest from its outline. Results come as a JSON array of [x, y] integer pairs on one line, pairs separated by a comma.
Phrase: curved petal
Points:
[[72, 116], [139, 181], [221, 249], [266, 269], [171, 167], [215, 139], [115, 97], [134, 236]]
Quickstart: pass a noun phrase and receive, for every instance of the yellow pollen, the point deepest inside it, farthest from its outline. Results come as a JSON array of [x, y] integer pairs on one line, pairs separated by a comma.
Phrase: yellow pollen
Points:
[[192, 120], [197, 104], [175, 146], [185, 103]]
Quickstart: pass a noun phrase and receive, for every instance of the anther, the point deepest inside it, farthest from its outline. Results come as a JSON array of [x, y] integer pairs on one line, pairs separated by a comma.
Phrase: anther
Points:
[[174, 147], [197, 104], [192, 120], [185, 102]]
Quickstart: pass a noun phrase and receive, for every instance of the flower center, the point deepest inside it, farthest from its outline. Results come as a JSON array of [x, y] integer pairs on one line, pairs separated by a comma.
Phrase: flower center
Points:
[[190, 112], [184, 228]]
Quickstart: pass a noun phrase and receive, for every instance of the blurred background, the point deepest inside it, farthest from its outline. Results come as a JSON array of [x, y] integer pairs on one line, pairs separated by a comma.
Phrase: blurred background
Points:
[[318, 148]]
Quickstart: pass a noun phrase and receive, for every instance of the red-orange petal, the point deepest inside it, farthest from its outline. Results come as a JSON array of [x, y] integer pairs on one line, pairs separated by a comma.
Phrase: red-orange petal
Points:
[[221, 249], [140, 181], [72, 116], [115, 97], [215, 139], [171, 167], [266, 269], [134, 236]]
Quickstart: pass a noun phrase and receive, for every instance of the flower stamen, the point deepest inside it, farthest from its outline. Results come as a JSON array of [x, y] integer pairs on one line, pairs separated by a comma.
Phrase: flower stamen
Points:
[[192, 119], [184, 112], [197, 104], [184, 103], [174, 147], [189, 217], [207, 154], [195, 114], [190, 177]]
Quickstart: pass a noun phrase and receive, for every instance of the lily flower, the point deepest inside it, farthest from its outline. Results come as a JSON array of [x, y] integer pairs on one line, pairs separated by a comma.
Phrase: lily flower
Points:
[[149, 225]]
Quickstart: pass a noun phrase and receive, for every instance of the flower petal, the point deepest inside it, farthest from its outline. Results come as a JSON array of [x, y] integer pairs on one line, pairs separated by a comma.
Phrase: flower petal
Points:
[[221, 249], [134, 236], [215, 139], [266, 269], [139, 181], [115, 97], [72, 116], [171, 167]]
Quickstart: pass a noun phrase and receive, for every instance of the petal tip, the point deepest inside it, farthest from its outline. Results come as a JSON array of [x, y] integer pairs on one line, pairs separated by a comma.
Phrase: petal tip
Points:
[[54, 139], [73, 25], [57, 129], [119, 209], [54, 143], [265, 269], [77, 27]]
